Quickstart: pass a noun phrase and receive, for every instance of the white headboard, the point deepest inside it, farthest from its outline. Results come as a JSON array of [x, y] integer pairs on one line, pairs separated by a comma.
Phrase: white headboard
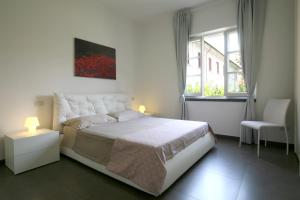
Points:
[[67, 106]]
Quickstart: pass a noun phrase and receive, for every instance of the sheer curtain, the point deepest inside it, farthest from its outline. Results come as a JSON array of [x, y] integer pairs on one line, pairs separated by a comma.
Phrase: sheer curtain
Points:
[[182, 29], [250, 24]]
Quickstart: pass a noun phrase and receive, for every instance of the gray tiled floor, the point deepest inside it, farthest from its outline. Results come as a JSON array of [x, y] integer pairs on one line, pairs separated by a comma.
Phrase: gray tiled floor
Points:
[[226, 172]]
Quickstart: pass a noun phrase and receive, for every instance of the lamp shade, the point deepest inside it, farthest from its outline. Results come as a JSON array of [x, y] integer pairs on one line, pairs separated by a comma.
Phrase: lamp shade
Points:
[[142, 108], [31, 123]]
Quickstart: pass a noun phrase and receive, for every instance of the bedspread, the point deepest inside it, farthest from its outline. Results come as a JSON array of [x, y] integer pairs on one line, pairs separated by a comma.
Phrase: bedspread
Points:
[[138, 149]]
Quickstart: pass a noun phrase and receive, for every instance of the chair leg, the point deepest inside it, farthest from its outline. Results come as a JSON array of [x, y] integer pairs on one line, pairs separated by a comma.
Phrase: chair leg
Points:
[[241, 131], [258, 142], [266, 134], [287, 140]]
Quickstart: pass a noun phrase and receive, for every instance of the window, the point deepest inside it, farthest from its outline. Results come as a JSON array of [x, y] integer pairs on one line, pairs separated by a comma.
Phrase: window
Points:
[[193, 81], [234, 74], [214, 66]]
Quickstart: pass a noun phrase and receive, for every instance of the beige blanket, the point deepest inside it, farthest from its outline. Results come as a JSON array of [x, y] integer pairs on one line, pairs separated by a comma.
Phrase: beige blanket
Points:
[[138, 149], [142, 164], [140, 156]]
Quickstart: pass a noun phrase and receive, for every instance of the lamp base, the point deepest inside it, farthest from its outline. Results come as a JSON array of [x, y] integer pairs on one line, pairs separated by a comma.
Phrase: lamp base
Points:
[[32, 130]]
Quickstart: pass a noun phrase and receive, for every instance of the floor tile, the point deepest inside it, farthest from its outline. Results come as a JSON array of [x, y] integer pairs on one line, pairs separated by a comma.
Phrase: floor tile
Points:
[[208, 185], [227, 172]]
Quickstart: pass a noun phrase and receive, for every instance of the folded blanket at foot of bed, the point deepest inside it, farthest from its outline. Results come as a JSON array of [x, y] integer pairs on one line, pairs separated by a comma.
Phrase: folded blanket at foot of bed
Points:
[[141, 156]]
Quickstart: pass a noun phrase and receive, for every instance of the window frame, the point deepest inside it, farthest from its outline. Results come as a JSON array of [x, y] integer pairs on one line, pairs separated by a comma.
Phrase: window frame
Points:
[[201, 72], [226, 33], [226, 73]]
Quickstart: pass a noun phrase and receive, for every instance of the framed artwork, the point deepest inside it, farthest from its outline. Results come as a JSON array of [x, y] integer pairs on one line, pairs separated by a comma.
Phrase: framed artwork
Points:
[[94, 60]]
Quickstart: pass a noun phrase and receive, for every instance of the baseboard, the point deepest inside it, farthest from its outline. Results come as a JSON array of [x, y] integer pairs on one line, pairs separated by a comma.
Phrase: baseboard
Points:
[[262, 142], [297, 157], [227, 137]]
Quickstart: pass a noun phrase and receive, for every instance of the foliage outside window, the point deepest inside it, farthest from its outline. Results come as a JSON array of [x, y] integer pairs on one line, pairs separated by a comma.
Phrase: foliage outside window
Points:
[[214, 66]]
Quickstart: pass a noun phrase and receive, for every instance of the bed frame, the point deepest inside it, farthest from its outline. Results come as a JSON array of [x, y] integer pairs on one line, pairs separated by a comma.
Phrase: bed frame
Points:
[[68, 106]]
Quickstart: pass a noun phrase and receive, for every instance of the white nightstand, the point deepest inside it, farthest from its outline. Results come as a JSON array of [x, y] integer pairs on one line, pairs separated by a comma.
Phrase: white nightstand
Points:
[[24, 151]]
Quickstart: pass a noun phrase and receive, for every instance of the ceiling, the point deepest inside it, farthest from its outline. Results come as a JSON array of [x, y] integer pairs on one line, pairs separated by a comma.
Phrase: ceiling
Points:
[[143, 9]]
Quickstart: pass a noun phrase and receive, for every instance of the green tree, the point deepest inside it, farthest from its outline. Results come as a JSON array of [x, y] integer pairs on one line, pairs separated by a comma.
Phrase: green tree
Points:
[[242, 86], [189, 89], [197, 88], [193, 89], [210, 90]]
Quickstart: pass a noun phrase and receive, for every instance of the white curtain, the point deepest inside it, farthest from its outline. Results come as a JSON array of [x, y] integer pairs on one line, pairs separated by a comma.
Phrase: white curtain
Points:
[[250, 24], [182, 29]]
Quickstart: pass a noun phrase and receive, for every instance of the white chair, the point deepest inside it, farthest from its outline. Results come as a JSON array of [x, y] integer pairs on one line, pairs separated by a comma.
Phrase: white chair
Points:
[[274, 116]]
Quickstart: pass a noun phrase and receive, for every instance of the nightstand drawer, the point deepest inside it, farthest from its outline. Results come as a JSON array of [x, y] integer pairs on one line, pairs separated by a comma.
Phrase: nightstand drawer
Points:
[[35, 159], [35, 143]]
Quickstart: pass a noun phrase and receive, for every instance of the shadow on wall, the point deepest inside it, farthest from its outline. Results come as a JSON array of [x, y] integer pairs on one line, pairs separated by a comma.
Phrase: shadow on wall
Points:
[[44, 112]]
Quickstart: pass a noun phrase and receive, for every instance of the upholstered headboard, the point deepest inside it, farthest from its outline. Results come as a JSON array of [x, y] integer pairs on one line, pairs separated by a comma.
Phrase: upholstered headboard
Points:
[[67, 106]]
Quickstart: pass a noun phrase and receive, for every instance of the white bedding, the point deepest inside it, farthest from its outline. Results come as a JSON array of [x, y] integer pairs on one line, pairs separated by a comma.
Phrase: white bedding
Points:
[[124, 129], [169, 134]]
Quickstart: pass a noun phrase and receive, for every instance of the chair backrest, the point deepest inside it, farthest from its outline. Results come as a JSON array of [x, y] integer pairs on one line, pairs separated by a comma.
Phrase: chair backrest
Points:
[[275, 111]]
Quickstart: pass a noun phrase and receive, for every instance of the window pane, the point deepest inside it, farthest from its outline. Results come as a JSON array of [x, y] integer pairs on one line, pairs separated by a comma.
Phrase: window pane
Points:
[[193, 85], [193, 67], [233, 42], [194, 49], [193, 80], [234, 62], [236, 83], [215, 41], [213, 55]]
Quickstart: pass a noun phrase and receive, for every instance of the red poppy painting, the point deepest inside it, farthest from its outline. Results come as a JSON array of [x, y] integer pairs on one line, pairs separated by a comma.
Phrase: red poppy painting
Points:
[[94, 60]]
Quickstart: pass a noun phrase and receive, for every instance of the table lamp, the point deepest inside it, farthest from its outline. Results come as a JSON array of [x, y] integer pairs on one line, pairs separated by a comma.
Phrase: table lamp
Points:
[[142, 108], [31, 123]]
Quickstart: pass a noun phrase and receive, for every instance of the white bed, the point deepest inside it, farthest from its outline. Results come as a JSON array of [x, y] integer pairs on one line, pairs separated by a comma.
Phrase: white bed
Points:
[[70, 106]]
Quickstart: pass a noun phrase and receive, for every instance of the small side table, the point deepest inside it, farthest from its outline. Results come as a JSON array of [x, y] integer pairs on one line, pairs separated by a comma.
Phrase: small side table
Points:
[[25, 151]]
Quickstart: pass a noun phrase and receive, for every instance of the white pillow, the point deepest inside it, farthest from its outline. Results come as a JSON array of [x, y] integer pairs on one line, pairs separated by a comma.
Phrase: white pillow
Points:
[[88, 121], [126, 115]]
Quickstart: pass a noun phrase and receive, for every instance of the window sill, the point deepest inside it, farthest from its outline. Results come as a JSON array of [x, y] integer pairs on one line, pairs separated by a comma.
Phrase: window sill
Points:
[[220, 99]]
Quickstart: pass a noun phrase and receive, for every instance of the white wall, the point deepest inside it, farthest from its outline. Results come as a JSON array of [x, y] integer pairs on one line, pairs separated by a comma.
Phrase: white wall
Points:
[[224, 117], [276, 76], [297, 77], [157, 83], [213, 15], [158, 88], [36, 55]]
